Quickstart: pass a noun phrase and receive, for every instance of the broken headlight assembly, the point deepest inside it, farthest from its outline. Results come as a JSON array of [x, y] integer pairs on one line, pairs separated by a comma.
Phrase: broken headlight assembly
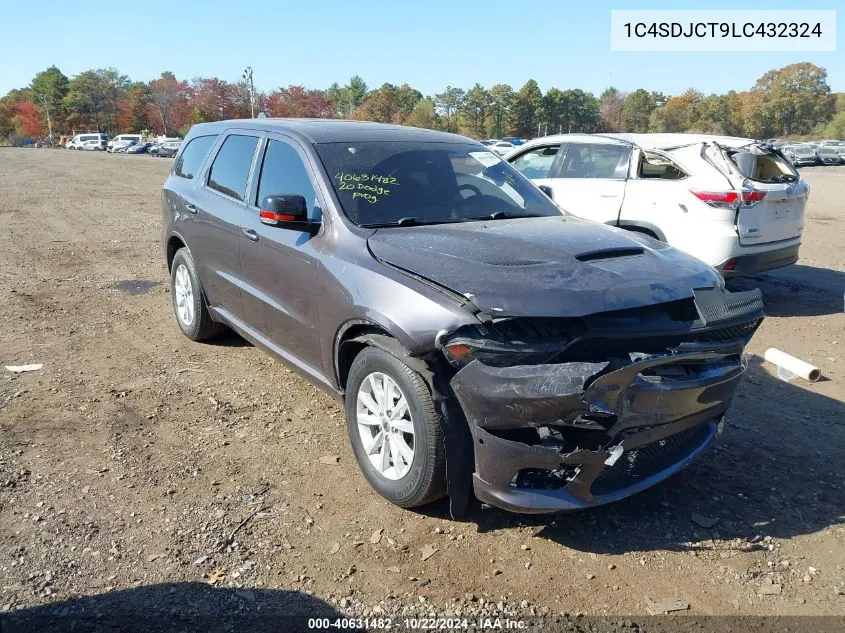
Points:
[[501, 345]]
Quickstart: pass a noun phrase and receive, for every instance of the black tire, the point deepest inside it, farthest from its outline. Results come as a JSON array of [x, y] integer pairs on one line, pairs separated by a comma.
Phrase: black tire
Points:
[[201, 326], [426, 480]]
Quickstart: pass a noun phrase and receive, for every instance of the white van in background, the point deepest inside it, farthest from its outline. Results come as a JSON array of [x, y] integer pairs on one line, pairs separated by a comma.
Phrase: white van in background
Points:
[[80, 140], [123, 140]]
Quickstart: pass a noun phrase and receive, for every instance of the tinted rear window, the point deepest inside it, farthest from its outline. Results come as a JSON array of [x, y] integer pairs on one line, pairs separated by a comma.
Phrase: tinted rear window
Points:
[[230, 171], [194, 155]]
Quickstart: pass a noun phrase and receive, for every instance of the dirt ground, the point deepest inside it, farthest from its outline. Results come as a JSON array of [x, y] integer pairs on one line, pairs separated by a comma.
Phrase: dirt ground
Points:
[[137, 459]]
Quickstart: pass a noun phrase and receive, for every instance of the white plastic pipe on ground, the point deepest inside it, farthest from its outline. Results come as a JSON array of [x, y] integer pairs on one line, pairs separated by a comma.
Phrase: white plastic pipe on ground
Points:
[[793, 365]]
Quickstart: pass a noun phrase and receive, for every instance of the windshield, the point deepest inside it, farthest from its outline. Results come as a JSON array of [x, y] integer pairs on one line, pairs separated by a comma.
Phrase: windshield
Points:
[[398, 182]]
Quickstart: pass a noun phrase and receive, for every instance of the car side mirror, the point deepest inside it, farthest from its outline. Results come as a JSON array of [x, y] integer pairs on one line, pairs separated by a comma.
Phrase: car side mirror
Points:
[[547, 190], [283, 209]]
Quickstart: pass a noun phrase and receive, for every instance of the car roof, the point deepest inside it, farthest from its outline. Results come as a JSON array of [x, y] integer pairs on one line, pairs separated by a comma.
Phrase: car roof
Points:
[[645, 141], [333, 130], [668, 141]]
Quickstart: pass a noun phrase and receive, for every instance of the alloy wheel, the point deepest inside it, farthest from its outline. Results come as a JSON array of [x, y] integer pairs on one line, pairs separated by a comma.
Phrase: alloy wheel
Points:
[[385, 425], [184, 293]]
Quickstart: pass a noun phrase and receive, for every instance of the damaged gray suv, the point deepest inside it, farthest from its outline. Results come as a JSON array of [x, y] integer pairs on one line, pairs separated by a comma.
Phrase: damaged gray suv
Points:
[[480, 338]]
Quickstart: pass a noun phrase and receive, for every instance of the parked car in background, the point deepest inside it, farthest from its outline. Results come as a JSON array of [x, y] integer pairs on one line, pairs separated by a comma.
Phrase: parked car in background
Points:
[[477, 337], [839, 146], [91, 146], [502, 147], [731, 202], [137, 148], [829, 154], [513, 140], [801, 154], [95, 140], [123, 141], [121, 149], [168, 149]]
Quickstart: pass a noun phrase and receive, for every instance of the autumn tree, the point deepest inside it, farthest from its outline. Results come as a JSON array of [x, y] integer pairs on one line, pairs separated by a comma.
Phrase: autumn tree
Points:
[[449, 104], [678, 114], [114, 85], [8, 111], [637, 109], [796, 98], [169, 102], [423, 115], [299, 102], [720, 114], [501, 101], [527, 105], [136, 108], [87, 100], [213, 99], [474, 111], [346, 99], [611, 103], [49, 88], [388, 104]]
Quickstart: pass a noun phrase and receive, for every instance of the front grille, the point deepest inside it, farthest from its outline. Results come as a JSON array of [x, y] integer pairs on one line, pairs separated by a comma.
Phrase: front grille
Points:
[[643, 462], [734, 332]]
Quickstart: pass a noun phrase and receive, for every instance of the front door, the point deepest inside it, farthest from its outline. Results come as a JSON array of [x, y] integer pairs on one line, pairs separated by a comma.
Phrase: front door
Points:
[[589, 180], [279, 264]]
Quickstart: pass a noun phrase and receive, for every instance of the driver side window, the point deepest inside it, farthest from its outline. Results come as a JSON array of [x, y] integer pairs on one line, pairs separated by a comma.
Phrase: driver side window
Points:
[[283, 172], [536, 163]]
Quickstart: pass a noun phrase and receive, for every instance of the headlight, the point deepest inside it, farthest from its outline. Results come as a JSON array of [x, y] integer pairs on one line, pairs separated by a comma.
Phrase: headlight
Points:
[[492, 348]]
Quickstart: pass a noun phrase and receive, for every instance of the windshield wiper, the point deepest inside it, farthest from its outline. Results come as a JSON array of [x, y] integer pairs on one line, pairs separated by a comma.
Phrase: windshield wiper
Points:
[[410, 221], [504, 215]]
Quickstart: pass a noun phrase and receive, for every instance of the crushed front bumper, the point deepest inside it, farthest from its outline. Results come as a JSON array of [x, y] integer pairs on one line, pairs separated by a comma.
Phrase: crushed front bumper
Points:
[[568, 436]]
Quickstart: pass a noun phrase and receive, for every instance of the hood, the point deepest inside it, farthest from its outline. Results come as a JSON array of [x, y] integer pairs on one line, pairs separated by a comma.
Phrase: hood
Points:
[[545, 267]]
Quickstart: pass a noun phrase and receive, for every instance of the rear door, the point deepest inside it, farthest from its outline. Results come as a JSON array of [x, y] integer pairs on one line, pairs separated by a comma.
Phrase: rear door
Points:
[[214, 212], [588, 180], [279, 263], [774, 196]]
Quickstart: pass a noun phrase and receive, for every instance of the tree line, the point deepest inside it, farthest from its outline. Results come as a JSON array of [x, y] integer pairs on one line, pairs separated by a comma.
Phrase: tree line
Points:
[[791, 101]]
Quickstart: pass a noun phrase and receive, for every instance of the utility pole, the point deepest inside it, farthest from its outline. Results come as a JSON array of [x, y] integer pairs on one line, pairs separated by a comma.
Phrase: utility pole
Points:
[[250, 90], [47, 110]]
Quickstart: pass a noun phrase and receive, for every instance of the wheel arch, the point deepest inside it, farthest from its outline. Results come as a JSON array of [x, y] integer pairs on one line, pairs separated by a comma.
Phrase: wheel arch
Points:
[[646, 228], [355, 335], [174, 243]]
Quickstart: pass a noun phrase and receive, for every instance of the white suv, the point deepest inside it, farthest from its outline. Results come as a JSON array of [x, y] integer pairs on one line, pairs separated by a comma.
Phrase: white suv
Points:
[[94, 140], [122, 141], [729, 201]]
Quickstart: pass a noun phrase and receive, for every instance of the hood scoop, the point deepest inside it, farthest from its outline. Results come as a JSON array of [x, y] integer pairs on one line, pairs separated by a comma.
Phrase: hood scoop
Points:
[[609, 253]]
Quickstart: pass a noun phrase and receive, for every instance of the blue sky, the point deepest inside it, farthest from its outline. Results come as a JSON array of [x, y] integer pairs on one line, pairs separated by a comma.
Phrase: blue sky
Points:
[[429, 43]]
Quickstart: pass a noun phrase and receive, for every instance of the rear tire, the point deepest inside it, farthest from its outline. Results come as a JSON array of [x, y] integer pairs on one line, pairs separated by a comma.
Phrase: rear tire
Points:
[[408, 423], [188, 300]]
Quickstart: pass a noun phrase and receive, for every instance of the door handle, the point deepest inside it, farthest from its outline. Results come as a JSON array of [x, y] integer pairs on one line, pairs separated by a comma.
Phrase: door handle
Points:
[[250, 234], [191, 208]]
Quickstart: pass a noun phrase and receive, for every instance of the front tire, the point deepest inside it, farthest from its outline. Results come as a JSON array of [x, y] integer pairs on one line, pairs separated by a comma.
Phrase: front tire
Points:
[[188, 304], [394, 429]]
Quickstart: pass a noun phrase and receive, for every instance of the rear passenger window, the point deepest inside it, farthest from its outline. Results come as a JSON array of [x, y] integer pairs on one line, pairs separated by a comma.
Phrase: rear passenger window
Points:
[[283, 172], [596, 160], [230, 170], [536, 163], [655, 166], [193, 156]]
